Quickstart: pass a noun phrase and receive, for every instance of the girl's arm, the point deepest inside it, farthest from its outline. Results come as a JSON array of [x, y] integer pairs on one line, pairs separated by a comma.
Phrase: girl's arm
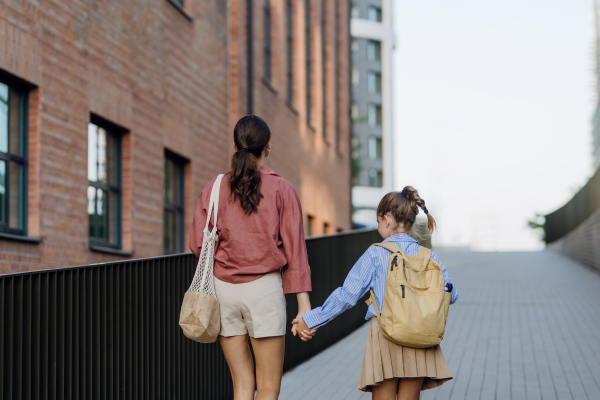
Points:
[[355, 286], [454, 296]]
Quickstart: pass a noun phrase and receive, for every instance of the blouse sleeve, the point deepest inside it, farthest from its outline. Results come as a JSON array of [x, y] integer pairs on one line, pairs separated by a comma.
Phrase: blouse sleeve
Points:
[[199, 222], [296, 274]]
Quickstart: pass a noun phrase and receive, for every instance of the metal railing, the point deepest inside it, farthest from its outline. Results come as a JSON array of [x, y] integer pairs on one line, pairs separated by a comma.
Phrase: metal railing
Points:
[[585, 203], [110, 331]]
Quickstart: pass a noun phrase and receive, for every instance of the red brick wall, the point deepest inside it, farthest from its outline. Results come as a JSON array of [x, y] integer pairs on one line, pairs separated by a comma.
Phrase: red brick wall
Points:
[[173, 83]]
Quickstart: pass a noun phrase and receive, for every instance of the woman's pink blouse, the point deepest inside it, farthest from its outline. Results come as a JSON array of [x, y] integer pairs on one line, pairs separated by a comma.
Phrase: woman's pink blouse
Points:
[[251, 246]]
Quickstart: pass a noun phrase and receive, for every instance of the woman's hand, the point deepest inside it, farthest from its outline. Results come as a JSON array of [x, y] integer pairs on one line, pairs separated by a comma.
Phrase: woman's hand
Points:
[[303, 308], [300, 327]]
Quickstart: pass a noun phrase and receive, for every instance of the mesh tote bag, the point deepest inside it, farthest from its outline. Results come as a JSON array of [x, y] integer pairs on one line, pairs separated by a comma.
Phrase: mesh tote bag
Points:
[[200, 316]]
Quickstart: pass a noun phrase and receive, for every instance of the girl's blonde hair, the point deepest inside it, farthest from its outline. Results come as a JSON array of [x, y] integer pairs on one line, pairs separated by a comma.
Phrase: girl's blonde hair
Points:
[[404, 207]]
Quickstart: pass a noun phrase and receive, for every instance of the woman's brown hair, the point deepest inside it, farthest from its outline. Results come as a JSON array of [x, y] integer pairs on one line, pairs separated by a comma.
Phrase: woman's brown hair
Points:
[[404, 207], [251, 135]]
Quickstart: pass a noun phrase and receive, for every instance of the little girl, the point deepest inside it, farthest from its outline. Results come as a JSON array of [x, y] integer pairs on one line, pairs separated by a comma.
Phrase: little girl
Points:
[[388, 369]]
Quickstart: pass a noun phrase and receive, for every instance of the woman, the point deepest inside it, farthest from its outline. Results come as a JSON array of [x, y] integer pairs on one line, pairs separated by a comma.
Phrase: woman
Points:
[[260, 256]]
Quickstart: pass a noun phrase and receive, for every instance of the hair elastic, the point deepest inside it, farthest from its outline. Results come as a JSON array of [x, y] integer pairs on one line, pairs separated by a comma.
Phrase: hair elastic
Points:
[[426, 211]]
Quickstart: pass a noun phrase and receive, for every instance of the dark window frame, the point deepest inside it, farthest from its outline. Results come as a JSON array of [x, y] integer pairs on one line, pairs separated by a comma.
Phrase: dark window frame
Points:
[[181, 6], [178, 209], [290, 52], [117, 133], [268, 39], [23, 89], [336, 49], [324, 63], [307, 38]]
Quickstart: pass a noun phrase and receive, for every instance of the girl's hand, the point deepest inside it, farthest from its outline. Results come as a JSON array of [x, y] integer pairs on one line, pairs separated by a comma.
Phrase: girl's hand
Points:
[[300, 327]]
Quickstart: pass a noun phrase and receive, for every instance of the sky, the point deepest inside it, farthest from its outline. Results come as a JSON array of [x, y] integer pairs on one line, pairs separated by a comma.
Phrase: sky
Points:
[[492, 113]]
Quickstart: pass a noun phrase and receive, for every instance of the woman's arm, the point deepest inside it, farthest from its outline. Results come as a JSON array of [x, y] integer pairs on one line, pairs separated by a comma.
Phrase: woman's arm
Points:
[[303, 308], [296, 274]]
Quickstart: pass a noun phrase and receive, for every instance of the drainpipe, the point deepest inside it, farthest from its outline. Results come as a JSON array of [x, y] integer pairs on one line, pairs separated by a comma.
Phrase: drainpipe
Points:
[[250, 45]]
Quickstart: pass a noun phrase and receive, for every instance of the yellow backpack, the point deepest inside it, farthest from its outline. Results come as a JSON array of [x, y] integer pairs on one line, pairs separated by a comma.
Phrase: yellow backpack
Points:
[[415, 303]]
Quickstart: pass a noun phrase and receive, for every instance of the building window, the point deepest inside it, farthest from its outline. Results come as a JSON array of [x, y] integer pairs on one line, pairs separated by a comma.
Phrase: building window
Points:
[[325, 228], [324, 64], [354, 112], [374, 115], [374, 14], [104, 183], [355, 77], [374, 50], [374, 148], [13, 160], [375, 178], [355, 46], [374, 82], [268, 40], [355, 11], [307, 38], [173, 233], [310, 221], [290, 59]]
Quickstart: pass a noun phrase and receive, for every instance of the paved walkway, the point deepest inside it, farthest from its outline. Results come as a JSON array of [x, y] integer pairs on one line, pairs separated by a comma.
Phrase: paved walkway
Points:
[[526, 326]]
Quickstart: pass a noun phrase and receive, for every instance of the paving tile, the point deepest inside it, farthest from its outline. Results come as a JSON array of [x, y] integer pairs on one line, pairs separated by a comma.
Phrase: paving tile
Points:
[[527, 326]]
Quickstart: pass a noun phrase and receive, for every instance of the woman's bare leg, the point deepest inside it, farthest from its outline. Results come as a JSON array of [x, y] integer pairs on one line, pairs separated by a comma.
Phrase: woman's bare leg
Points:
[[268, 353], [410, 388], [386, 390], [238, 356]]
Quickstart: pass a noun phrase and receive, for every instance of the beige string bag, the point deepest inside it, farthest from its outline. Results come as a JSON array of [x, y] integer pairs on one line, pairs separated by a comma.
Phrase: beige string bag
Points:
[[415, 303], [200, 316]]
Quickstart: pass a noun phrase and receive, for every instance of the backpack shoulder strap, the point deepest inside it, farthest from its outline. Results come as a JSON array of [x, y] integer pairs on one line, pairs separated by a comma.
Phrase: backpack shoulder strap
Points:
[[424, 255], [389, 246], [394, 249]]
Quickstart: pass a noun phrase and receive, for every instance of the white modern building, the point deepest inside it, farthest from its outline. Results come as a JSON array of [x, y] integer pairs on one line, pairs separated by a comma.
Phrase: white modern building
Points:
[[373, 41]]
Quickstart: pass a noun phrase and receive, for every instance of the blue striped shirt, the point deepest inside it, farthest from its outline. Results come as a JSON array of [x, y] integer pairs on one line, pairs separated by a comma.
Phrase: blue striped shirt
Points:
[[370, 271]]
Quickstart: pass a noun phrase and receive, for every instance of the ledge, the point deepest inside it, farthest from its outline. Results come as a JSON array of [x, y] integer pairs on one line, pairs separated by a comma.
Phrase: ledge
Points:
[[109, 250], [270, 85], [19, 238], [311, 127], [292, 107], [181, 9]]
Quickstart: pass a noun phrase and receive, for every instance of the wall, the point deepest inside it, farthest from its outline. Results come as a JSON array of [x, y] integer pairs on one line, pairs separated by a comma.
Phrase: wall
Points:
[[174, 80]]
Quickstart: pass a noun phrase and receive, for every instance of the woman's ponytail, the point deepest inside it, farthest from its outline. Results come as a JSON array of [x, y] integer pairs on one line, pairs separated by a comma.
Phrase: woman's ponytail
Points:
[[251, 135]]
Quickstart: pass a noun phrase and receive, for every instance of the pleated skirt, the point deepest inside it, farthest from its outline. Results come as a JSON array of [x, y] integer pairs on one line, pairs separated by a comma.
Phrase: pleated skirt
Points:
[[386, 360]]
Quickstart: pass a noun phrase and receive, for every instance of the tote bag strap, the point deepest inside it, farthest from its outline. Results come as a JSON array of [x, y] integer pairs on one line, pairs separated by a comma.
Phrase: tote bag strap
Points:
[[214, 203]]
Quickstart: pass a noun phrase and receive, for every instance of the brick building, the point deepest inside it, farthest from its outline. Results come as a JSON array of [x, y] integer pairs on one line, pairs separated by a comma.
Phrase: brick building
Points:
[[114, 115]]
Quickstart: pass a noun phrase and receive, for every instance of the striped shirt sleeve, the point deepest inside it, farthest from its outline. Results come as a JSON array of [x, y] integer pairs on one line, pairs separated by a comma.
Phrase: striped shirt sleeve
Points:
[[355, 286]]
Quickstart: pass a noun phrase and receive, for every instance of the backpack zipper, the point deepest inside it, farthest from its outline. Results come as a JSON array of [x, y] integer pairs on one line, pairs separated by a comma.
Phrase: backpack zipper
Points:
[[402, 286], [394, 263]]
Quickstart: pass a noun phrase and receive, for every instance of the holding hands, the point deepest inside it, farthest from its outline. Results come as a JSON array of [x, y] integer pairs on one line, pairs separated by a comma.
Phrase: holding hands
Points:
[[300, 328], [298, 325]]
